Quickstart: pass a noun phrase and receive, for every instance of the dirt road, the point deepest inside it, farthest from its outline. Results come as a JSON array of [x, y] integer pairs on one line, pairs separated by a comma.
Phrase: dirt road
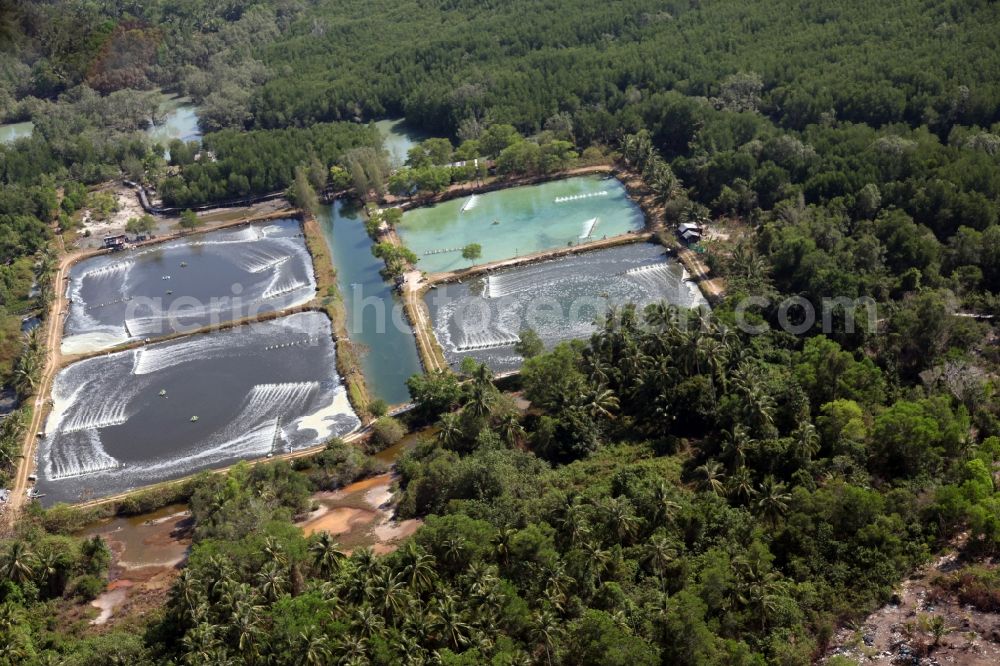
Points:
[[53, 337]]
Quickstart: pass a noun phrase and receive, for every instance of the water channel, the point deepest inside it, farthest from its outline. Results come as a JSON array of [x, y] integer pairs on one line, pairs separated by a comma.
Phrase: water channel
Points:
[[375, 321]]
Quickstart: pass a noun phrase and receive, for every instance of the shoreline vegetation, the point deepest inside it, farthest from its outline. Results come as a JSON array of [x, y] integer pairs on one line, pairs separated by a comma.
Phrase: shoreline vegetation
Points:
[[658, 493], [331, 301]]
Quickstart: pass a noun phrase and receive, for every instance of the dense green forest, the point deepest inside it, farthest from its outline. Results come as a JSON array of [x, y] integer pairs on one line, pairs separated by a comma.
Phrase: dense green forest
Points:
[[680, 492]]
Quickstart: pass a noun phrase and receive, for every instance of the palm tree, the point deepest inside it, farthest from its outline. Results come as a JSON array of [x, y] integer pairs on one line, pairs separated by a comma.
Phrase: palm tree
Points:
[[773, 502], [246, 625], [664, 508], [275, 551], [510, 429], [18, 562], [390, 590], [501, 543], [740, 485], [418, 567], [450, 430], [597, 557], [805, 441], [601, 403], [327, 556], [622, 519], [313, 650], [658, 554], [272, 580], [710, 477], [454, 550], [367, 622], [735, 444], [546, 630], [447, 623], [200, 644]]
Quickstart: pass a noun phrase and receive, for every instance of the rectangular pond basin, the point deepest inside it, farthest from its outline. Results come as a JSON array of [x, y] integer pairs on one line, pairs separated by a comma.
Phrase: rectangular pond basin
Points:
[[184, 284], [169, 409], [519, 220], [559, 299]]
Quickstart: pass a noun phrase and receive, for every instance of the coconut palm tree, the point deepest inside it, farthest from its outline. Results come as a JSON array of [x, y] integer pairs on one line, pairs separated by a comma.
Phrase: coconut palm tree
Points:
[[272, 581], [601, 403], [450, 430], [501, 543], [313, 648], [664, 507], [710, 477], [658, 554], [367, 622], [773, 502], [805, 441], [447, 624], [200, 644], [327, 556], [418, 567], [510, 429], [736, 443], [546, 630], [622, 519], [740, 485], [18, 562], [597, 558]]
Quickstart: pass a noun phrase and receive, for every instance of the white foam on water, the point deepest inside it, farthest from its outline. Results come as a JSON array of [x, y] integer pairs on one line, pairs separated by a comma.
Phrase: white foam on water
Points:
[[107, 270], [588, 228], [578, 197], [155, 358], [81, 456], [325, 421], [82, 343], [281, 286], [653, 278], [259, 260], [471, 203], [476, 341]]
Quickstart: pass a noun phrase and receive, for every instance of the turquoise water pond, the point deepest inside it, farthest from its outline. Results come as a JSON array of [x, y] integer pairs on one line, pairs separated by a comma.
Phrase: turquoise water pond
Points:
[[519, 220]]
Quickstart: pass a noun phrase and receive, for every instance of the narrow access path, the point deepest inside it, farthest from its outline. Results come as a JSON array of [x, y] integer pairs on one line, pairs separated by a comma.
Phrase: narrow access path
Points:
[[422, 328], [53, 339], [710, 287]]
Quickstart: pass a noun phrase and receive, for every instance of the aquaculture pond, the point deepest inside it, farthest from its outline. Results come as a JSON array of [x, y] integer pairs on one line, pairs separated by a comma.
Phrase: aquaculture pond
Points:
[[375, 321], [559, 299], [398, 138], [188, 283], [177, 119], [166, 410], [13, 131], [519, 220]]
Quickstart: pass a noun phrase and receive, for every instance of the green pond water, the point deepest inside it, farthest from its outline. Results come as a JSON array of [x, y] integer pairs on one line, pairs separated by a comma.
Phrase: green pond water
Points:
[[519, 220], [14, 131], [398, 138], [178, 120], [375, 320]]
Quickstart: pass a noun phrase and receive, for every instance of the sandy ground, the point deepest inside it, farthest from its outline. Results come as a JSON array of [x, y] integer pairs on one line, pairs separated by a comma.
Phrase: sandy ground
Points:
[[360, 515], [898, 633], [129, 207], [141, 576]]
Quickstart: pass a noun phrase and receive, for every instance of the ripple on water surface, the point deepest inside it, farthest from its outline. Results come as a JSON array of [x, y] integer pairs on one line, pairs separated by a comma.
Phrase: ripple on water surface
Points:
[[559, 299], [169, 409], [180, 285]]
